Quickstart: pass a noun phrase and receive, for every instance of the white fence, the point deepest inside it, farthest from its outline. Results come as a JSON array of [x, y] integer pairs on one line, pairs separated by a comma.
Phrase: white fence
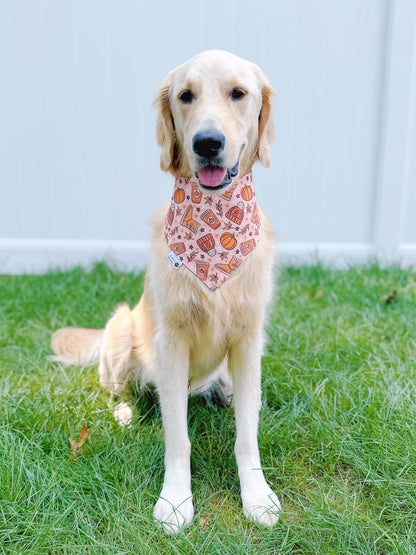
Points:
[[79, 165]]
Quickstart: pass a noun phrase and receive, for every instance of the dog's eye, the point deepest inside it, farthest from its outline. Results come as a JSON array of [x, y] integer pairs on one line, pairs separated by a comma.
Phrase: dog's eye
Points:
[[186, 97], [237, 94]]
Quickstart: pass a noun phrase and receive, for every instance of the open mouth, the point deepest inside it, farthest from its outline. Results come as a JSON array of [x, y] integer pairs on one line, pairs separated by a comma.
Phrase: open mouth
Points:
[[215, 177]]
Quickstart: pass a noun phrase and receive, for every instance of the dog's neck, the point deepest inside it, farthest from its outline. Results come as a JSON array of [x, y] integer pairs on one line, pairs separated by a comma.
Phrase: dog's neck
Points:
[[212, 234]]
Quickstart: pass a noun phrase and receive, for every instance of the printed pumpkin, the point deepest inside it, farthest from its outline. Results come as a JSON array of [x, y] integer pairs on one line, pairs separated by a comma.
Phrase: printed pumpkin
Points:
[[247, 193], [228, 241], [179, 196]]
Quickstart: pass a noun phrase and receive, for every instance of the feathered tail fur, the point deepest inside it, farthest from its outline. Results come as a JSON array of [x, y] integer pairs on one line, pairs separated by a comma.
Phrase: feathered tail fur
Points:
[[77, 346]]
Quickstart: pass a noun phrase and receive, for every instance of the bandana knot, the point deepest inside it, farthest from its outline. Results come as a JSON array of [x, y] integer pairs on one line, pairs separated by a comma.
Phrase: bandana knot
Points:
[[212, 234]]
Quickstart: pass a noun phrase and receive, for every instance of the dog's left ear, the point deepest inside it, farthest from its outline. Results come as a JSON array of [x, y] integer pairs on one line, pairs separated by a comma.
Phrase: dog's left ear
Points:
[[266, 125], [165, 132]]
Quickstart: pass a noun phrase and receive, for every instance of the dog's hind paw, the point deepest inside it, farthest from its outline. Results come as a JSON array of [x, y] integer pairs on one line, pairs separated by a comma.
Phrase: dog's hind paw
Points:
[[123, 414], [172, 517], [262, 508]]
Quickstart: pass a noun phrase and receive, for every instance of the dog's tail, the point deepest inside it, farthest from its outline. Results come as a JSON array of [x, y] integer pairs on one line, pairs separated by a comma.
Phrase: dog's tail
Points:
[[76, 346]]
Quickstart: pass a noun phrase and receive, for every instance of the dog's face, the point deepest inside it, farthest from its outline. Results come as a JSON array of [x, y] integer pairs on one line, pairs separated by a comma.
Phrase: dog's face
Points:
[[214, 119]]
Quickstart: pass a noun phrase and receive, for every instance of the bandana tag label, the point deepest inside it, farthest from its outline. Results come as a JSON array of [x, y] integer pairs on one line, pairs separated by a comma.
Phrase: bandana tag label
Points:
[[174, 260]]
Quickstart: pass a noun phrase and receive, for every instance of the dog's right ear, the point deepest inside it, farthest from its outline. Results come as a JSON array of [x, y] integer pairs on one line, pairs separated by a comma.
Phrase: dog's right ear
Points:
[[266, 125], [165, 131]]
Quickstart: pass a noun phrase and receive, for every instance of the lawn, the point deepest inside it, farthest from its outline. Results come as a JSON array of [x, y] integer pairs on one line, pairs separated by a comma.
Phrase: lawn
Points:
[[337, 429]]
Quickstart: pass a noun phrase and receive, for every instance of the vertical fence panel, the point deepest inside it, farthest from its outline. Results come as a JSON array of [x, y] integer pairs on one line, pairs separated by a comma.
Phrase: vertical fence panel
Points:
[[399, 110], [79, 164]]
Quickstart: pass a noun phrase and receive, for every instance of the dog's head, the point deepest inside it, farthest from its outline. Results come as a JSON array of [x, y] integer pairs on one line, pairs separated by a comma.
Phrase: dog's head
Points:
[[214, 119]]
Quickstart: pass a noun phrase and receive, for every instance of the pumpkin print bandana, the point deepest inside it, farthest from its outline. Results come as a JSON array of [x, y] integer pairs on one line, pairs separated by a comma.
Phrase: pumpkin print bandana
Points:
[[212, 234]]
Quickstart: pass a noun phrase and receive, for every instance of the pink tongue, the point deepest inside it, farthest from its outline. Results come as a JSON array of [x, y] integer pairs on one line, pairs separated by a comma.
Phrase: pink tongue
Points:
[[211, 177]]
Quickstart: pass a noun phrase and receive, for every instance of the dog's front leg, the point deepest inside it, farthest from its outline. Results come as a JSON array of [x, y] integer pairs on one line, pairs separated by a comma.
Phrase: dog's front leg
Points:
[[260, 504], [174, 508]]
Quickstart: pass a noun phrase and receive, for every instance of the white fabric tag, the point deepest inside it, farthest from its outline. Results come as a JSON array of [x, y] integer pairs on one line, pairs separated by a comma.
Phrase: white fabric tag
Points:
[[174, 260]]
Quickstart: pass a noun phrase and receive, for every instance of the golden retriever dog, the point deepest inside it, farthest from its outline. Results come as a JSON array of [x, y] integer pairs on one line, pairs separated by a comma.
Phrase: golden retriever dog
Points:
[[200, 321]]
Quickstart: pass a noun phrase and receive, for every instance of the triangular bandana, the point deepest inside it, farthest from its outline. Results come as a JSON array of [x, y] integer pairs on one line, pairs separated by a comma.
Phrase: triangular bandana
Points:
[[212, 234]]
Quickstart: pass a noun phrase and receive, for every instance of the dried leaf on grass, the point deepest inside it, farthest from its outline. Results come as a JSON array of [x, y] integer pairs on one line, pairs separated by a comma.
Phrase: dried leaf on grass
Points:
[[314, 297], [76, 446], [203, 523], [390, 297]]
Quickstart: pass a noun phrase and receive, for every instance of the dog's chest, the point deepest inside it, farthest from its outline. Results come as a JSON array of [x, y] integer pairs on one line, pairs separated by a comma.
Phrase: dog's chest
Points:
[[210, 329]]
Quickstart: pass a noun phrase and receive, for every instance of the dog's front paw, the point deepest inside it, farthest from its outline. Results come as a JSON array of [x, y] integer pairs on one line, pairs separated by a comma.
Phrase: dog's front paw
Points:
[[173, 512], [262, 506]]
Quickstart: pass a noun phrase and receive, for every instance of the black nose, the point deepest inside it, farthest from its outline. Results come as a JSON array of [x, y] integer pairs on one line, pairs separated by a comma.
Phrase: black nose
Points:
[[208, 143]]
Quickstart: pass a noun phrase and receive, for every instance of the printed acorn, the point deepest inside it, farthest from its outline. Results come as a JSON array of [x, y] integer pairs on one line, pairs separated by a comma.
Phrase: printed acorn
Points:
[[179, 196], [228, 241]]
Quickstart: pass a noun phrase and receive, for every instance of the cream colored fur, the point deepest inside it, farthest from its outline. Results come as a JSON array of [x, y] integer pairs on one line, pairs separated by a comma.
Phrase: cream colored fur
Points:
[[183, 337]]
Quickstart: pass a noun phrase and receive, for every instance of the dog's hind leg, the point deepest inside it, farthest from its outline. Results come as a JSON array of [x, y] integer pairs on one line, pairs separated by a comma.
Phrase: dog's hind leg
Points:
[[117, 366], [116, 352], [217, 388]]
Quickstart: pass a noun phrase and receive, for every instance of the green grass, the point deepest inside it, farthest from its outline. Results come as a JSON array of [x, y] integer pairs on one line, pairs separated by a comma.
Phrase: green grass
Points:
[[337, 430]]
